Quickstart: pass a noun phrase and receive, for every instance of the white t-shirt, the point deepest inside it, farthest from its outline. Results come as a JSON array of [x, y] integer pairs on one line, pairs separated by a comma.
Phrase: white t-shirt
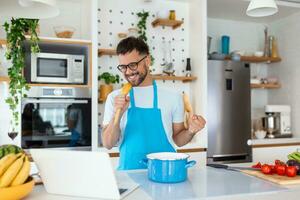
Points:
[[170, 103]]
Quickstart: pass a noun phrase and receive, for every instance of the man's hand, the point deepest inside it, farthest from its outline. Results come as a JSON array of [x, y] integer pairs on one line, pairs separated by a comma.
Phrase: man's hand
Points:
[[121, 102], [195, 123]]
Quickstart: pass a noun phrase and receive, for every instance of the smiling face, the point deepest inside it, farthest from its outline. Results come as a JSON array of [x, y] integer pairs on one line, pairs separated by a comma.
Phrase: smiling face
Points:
[[138, 76]]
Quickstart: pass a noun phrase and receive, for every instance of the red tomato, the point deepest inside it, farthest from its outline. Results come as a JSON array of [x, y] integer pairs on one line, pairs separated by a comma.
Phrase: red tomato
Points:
[[258, 165], [273, 169], [266, 169], [291, 171], [280, 169], [279, 162]]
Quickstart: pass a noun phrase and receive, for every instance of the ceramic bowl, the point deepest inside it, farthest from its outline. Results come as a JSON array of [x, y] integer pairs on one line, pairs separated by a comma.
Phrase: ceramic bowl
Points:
[[217, 56], [17, 192], [64, 31], [259, 53], [260, 134]]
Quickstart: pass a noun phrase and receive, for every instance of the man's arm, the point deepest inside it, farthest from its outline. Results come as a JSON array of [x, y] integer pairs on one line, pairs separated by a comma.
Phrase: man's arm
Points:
[[182, 136], [111, 132]]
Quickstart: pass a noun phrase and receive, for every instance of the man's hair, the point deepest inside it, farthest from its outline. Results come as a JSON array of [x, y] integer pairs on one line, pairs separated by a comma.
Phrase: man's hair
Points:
[[129, 44]]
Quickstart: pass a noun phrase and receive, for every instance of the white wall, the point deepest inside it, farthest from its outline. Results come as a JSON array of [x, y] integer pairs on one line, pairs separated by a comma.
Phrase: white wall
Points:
[[248, 37], [117, 16], [74, 13], [288, 70]]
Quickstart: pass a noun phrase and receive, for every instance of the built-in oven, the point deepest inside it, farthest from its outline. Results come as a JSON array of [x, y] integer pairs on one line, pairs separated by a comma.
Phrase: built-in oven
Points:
[[57, 68], [56, 117]]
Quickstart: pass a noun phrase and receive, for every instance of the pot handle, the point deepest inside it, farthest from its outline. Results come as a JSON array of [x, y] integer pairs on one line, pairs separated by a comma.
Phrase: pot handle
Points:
[[190, 164], [144, 162]]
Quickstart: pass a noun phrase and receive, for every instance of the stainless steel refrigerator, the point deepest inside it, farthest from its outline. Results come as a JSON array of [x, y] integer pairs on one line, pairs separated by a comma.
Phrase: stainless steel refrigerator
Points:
[[229, 111]]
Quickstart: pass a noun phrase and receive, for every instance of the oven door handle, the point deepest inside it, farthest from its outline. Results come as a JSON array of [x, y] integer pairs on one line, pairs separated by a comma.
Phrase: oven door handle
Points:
[[55, 101]]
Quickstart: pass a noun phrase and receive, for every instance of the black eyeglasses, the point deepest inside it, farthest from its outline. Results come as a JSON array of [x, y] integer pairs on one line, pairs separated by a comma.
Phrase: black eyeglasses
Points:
[[131, 66]]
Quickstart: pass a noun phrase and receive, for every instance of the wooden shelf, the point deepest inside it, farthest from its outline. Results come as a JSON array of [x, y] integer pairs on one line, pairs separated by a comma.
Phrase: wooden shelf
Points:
[[254, 59], [4, 78], [265, 86], [166, 22], [110, 52], [58, 40], [174, 78]]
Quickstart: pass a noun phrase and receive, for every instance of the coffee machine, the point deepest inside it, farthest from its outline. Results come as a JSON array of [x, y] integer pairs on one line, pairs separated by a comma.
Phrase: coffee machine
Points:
[[277, 121]]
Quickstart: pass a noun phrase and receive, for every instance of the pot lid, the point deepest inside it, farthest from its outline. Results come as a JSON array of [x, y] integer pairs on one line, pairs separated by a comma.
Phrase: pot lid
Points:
[[167, 156]]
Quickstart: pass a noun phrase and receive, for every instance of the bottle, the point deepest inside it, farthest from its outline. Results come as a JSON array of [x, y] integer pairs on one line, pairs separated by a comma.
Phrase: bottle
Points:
[[188, 68], [271, 38], [225, 44], [172, 15], [274, 49]]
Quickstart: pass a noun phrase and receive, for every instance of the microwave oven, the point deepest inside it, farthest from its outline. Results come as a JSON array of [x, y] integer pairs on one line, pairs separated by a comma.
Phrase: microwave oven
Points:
[[57, 68]]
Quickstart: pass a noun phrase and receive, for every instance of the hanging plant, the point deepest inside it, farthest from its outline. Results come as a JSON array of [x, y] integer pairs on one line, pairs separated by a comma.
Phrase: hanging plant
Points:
[[15, 36], [143, 28]]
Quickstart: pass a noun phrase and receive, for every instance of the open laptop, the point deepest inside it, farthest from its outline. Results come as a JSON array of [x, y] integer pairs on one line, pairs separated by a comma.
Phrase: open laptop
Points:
[[80, 173]]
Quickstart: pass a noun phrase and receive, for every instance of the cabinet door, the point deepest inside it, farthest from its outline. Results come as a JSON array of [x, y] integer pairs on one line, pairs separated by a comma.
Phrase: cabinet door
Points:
[[269, 154]]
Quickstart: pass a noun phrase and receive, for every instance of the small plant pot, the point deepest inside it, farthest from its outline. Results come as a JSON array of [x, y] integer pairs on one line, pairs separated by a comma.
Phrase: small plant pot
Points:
[[104, 90]]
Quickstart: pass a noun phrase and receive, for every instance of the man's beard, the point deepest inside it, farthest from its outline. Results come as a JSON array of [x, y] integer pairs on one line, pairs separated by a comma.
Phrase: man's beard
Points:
[[140, 77]]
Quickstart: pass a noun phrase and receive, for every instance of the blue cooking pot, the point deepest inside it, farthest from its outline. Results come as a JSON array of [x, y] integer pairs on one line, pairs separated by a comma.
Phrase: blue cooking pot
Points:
[[167, 167]]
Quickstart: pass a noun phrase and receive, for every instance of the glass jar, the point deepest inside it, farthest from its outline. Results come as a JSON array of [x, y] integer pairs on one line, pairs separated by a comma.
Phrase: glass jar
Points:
[[133, 32], [172, 15]]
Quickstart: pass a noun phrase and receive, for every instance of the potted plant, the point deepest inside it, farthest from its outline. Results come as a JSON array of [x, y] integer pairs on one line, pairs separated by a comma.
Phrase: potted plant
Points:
[[15, 37], [107, 88], [142, 28]]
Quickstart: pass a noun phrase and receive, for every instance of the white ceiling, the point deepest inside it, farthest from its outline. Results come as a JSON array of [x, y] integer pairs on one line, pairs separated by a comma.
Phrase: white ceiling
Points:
[[236, 10]]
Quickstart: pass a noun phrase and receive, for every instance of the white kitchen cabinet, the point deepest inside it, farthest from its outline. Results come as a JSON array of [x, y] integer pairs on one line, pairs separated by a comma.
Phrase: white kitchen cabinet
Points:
[[269, 154]]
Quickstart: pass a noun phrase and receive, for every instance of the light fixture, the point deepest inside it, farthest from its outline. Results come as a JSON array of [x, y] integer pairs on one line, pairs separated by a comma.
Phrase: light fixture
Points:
[[261, 8], [31, 9]]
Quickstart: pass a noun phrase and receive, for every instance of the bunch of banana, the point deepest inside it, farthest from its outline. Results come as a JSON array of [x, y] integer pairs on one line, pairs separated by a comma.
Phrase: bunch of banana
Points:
[[294, 156], [14, 169]]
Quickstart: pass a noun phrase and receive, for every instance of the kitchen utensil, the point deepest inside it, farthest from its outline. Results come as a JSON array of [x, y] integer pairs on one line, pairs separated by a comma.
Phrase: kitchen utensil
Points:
[[221, 166], [17, 192], [188, 109], [168, 66], [167, 167], [274, 178], [271, 123], [125, 89]]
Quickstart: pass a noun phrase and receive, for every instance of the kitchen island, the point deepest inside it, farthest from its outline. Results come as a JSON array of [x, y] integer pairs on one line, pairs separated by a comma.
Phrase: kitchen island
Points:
[[202, 183]]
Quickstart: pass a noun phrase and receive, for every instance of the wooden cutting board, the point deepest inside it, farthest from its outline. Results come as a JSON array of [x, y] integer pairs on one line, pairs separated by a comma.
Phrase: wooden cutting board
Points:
[[274, 178]]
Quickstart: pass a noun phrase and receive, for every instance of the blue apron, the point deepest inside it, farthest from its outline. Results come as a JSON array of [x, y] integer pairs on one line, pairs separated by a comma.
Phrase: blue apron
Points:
[[144, 133]]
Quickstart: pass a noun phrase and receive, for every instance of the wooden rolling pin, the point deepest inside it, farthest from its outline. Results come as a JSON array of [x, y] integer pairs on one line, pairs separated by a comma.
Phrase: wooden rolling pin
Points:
[[125, 90], [187, 108]]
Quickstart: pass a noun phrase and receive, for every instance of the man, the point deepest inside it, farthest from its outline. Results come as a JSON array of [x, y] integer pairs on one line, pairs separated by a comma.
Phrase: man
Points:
[[152, 118], [74, 122]]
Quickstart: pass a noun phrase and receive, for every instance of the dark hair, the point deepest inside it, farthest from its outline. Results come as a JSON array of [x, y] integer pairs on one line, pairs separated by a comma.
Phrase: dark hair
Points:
[[129, 44]]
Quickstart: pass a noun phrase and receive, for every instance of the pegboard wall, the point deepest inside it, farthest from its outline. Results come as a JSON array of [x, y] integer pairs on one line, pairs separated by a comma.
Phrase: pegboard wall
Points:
[[166, 44]]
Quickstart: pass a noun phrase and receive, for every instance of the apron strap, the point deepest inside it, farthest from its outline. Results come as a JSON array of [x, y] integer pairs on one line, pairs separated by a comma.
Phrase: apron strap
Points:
[[132, 101], [154, 94]]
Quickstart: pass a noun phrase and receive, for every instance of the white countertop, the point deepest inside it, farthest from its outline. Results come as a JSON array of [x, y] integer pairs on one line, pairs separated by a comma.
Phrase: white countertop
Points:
[[273, 141], [203, 183]]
